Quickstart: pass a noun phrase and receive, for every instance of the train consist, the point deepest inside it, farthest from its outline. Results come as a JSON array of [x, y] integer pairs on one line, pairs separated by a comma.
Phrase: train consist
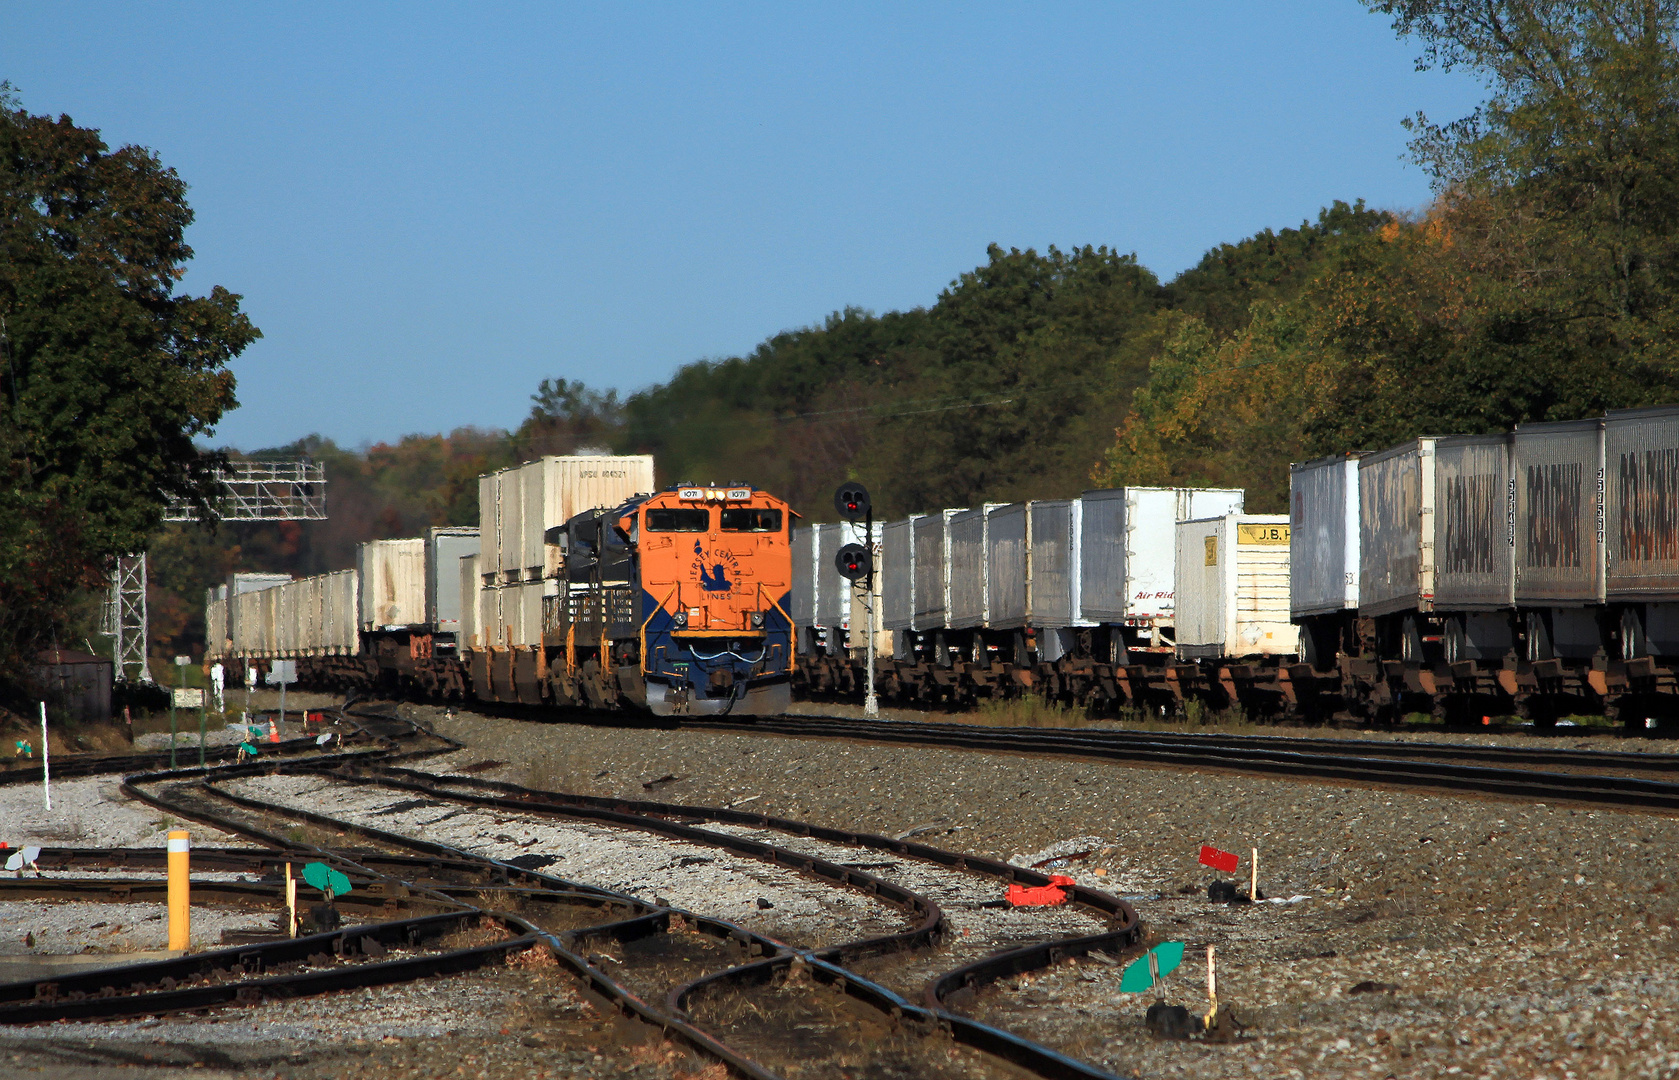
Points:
[[1120, 598], [581, 589], [1534, 573]]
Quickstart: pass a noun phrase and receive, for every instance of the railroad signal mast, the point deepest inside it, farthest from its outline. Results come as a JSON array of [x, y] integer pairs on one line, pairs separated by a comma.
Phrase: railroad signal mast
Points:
[[247, 491], [855, 563]]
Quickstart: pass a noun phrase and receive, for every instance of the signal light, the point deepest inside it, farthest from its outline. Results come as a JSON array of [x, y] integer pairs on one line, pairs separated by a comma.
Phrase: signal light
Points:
[[852, 501], [852, 562]]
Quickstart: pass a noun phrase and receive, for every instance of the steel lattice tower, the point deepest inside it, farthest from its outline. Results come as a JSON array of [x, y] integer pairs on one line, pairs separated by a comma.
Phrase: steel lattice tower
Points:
[[249, 491]]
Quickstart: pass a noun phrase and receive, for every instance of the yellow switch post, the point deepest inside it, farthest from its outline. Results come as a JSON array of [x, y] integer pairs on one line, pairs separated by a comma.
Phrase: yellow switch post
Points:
[[180, 899]]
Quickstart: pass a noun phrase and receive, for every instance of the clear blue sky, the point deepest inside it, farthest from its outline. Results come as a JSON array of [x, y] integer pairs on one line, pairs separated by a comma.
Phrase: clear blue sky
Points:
[[428, 208]]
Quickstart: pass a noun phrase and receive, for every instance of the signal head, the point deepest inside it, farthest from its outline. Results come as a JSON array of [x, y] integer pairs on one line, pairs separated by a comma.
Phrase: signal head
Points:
[[852, 562], [852, 501]]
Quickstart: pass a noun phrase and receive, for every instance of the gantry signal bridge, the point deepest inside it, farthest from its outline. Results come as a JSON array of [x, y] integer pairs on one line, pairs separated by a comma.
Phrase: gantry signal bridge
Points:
[[262, 491], [247, 491]]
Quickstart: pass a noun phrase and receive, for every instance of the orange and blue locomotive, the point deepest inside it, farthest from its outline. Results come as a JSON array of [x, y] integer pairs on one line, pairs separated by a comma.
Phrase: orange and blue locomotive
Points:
[[675, 602]]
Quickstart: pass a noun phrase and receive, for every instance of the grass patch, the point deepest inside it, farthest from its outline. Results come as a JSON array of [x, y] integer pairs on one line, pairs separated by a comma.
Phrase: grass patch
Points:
[[1028, 711]]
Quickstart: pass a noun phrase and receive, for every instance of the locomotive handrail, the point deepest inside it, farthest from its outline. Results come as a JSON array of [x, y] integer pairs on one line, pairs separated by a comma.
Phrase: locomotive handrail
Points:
[[649, 619], [793, 631]]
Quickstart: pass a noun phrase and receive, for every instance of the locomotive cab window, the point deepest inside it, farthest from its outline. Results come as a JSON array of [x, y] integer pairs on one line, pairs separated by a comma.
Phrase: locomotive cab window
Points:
[[677, 519], [747, 519]]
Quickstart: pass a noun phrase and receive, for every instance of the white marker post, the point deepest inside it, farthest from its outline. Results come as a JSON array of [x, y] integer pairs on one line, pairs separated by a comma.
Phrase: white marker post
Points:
[[1253, 886], [46, 766]]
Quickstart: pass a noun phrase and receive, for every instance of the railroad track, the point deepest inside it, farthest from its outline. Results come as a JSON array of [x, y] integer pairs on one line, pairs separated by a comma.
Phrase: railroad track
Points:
[[1440, 766], [726, 990]]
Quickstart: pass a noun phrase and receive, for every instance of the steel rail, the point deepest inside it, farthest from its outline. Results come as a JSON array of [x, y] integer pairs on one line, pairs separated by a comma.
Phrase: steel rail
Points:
[[776, 955], [154, 986], [528, 798], [167, 998], [1430, 750], [925, 932], [444, 871], [650, 816], [597, 983], [969, 977], [80, 765], [1592, 789]]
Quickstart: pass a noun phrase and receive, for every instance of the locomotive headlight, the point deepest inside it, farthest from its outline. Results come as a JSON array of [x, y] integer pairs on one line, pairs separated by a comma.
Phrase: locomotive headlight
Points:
[[679, 620], [757, 620]]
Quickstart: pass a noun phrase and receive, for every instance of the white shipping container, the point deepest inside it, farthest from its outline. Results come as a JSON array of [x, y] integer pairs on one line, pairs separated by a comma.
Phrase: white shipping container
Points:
[[490, 625], [931, 569], [1323, 523], [965, 550], [1559, 480], [1053, 582], [393, 583], [1641, 458], [249, 582], [470, 634], [860, 600], [339, 633], [1396, 529], [1232, 587], [533, 548], [1474, 524], [290, 611], [215, 622], [897, 574], [266, 624], [1009, 538], [1127, 543], [529, 628], [802, 541], [489, 528], [445, 547], [833, 594], [525, 501]]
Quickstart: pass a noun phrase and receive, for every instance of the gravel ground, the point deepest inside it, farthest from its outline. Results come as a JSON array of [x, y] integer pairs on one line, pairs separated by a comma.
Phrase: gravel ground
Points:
[[92, 812], [975, 929], [43, 928], [497, 1024], [768, 899], [1518, 939], [1441, 935]]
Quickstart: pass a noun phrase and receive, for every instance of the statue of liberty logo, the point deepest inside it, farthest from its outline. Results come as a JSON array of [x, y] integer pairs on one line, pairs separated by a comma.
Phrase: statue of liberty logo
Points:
[[715, 578]]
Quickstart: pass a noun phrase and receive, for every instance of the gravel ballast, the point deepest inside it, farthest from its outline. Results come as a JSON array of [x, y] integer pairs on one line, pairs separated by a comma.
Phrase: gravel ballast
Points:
[[1435, 935], [1518, 939], [771, 900]]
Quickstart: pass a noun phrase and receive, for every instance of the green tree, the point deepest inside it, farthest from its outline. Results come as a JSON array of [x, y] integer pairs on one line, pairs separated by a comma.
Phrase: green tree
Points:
[[1272, 266], [1562, 189], [567, 416], [1034, 359], [108, 373]]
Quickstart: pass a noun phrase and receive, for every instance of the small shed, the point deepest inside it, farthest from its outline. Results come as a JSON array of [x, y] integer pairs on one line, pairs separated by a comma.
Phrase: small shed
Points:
[[75, 685]]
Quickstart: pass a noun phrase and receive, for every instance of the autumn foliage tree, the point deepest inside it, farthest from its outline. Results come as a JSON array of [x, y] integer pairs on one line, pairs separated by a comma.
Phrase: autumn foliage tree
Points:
[[1541, 284]]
